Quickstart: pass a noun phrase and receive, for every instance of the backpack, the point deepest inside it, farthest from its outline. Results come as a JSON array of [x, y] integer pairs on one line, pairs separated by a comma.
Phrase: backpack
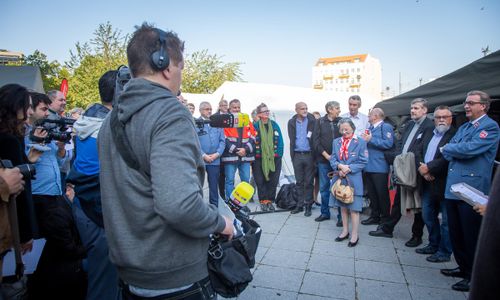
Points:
[[287, 196]]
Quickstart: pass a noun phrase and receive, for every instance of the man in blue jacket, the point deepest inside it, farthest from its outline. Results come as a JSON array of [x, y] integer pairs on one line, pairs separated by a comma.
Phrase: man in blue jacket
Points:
[[471, 153], [212, 144], [379, 137]]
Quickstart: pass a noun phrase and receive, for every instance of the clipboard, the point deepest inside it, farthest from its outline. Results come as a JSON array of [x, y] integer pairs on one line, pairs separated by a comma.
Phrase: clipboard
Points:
[[469, 194]]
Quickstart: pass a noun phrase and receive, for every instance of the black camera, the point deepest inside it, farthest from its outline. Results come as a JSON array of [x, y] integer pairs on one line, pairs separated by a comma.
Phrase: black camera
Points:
[[56, 130], [27, 170]]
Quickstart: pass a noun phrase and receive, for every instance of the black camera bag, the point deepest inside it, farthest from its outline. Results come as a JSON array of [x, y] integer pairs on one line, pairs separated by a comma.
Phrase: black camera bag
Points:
[[229, 262]]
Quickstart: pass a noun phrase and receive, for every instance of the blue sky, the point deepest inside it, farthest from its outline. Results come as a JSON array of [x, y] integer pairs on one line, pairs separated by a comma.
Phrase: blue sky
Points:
[[278, 41]]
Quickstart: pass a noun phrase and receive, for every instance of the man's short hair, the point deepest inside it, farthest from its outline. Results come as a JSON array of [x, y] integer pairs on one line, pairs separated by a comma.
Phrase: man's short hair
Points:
[[107, 84], [144, 42], [442, 107], [52, 94], [421, 101], [331, 104], [37, 98], [355, 97], [234, 101], [484, 98], [203, 104], [378, 112]]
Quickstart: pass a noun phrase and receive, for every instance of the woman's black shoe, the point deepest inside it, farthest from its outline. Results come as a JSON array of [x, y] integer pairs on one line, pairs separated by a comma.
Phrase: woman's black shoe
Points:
[[340, 239], [351, 244]]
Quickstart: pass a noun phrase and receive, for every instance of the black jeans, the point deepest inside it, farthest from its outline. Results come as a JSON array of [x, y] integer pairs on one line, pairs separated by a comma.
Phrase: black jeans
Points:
[[267, 189], [304, 168], [378, 192], [201, 290]]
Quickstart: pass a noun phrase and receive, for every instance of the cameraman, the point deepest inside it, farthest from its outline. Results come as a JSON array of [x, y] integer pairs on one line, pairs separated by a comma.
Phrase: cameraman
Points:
[[59, 272], [84, 175], [152, 174]]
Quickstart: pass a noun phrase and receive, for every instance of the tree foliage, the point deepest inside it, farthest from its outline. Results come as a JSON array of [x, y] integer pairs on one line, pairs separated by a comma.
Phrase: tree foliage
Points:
[[105, 51], [204, 73]]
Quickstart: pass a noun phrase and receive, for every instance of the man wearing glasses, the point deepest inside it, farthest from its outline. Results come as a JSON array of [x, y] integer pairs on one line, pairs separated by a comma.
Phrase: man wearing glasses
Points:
[[471, 153], [434, 168]]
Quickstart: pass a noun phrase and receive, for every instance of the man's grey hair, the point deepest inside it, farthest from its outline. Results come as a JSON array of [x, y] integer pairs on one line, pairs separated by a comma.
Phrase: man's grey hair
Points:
[[52, 94], [484, 98], [420, 101], [356, 98], [377, 111], [331, 104], [442, 107], [203, 104]]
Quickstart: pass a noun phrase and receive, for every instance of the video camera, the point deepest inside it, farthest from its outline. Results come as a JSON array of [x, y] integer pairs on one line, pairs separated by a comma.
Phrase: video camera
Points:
[[236, 120], [56, 130], [27, 170]]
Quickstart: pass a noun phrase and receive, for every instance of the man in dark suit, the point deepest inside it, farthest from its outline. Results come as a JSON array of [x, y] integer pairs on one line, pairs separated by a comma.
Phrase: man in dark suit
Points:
[[300, 132], [410, 138], [471, 153], [434, 168]]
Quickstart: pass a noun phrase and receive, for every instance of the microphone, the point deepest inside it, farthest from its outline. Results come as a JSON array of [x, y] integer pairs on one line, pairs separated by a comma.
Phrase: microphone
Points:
[[236, 120], [240, 196]]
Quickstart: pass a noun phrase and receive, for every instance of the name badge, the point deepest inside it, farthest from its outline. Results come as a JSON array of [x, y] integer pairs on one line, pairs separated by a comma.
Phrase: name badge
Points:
[[309, 134]]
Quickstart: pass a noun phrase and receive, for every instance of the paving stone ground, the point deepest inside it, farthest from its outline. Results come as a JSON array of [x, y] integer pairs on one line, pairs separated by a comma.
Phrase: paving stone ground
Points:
[[299, 259]]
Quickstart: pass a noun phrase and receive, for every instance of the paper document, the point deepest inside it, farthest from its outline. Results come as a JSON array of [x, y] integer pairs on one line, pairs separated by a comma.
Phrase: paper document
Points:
[[469, 194], [30, 259]]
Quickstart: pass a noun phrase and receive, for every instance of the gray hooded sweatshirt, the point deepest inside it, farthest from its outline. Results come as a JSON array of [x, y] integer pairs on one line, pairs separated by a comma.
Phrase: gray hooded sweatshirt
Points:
[[156, 221]]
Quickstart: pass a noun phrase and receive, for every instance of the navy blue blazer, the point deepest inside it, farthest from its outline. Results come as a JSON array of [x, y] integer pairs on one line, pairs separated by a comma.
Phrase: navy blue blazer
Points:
[[471, 153], [357, 160]]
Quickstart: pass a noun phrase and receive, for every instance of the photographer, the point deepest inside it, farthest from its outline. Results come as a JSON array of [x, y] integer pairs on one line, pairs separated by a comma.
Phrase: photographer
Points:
[[152, 174], [15, 110], [59, 271]]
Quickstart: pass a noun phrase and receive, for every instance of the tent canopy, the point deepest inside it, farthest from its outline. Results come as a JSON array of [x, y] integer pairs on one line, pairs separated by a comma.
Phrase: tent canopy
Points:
[[482, 74], [28, 76]]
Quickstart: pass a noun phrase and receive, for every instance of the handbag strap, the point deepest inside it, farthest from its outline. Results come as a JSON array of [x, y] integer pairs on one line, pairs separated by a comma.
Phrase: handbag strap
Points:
[[14, 227]]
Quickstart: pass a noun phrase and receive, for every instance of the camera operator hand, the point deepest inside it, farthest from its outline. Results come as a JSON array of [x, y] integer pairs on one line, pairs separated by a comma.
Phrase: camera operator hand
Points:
[[229, 229], [11, 182], [40, 132]]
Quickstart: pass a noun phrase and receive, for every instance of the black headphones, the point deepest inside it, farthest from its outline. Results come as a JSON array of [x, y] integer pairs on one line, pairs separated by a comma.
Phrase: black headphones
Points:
[[160, 59]]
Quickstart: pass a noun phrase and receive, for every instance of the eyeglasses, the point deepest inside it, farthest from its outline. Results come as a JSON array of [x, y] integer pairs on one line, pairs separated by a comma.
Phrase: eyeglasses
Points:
[[442, 117], [470, 103]]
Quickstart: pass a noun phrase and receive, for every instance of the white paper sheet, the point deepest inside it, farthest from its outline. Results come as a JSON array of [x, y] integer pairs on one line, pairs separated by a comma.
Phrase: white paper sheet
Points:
[[30, 259], [469, 194]]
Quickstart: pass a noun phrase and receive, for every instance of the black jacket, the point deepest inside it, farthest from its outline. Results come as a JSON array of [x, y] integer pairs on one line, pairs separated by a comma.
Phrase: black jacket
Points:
[[292, 132], [426, 124], [325, 131], [438, 167]]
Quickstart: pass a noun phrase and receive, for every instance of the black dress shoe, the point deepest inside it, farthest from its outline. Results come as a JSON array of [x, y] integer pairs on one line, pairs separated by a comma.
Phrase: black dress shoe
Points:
[[380, 233], [341, 238], [413, 242], [339, 223], [370, 221], [462, 286], [351, 244], [296, 210], [308, 213], [426, 250], [321, 218], [453, 272]]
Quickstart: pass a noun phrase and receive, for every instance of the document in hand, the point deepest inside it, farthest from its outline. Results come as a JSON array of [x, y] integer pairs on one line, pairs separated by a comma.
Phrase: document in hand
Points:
[[469, 194]]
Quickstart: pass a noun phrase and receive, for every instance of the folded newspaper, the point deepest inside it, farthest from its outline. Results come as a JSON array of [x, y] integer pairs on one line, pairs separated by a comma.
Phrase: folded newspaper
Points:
[[469, 194]]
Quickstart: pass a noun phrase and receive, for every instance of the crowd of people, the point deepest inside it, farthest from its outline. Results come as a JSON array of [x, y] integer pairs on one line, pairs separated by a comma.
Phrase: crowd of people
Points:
[[121, 204]]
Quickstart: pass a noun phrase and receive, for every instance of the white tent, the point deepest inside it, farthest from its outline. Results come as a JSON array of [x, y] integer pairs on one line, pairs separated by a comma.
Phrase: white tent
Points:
[[277, 97]]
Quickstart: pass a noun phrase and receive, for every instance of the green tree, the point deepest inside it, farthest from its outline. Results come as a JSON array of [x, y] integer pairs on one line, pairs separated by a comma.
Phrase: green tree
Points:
[[204, 73], [52, 72], [105, 51]]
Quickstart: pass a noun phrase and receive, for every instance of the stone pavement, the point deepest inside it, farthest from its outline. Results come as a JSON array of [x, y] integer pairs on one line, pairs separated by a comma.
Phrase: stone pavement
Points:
[[299, 259]]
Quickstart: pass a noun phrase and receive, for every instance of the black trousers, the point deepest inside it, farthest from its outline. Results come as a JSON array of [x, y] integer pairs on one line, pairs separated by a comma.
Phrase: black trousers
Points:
[[222, 181], [304, 168], [266, 189], [418, 225], [378, 192], [201, 290], [464, 225]]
